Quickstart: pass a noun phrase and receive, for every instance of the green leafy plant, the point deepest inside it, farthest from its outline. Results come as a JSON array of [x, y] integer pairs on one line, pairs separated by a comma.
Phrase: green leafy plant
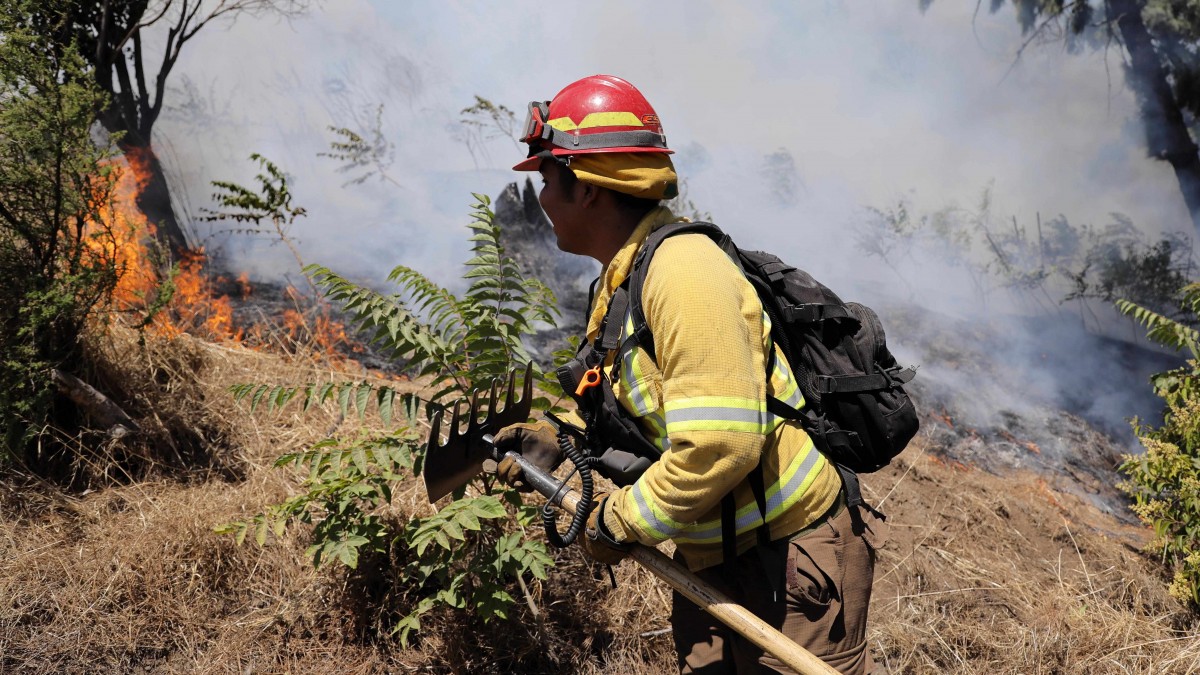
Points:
[[270, 203], [1165, 481], [466, 556], [58, 232]]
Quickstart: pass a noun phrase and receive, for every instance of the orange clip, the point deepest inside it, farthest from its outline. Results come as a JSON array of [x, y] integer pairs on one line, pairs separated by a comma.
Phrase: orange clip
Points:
[[590, 379]]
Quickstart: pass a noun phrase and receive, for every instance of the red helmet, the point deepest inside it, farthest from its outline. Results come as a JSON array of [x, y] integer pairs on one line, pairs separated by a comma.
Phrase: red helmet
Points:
[[600, 113]]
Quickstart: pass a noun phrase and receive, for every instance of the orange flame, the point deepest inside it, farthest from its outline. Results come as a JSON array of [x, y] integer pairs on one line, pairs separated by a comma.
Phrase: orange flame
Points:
[[137, 276], [325, 334], [194, 306]]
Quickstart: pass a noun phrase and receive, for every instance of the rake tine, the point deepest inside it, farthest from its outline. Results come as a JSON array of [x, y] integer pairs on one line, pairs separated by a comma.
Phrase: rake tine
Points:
[[491, 406], [435, 431], [527, 390], [473, 424], [455, 423], [509, 398]]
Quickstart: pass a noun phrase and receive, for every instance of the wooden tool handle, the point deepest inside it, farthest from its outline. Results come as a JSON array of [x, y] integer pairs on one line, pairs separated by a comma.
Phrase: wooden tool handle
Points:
[[705, 596]]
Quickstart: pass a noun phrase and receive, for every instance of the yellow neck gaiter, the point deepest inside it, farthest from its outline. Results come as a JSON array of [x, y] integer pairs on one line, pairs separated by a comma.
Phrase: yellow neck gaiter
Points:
[[619, 267], [649, 175]]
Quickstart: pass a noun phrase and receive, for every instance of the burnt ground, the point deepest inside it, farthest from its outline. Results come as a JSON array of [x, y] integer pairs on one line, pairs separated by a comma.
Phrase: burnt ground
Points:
[[1030, 395]]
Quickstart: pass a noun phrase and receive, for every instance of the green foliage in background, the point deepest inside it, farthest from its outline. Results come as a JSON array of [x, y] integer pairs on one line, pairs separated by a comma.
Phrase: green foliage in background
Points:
[[57, 232], [467, 555], [1165, 481]]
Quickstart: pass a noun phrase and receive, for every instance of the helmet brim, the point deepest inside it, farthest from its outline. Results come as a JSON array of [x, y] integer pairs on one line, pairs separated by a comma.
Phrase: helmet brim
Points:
[[529, 164]]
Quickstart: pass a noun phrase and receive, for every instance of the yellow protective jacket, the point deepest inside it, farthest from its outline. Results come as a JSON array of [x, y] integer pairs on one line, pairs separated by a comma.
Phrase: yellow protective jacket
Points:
[[705, 404]]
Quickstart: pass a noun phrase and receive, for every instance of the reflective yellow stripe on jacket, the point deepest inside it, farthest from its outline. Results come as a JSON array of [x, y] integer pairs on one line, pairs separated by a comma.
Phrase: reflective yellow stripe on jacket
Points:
[[704, 405]]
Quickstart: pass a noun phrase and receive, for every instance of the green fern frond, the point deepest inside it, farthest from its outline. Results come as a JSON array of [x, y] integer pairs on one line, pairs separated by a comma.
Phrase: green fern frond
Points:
[[356, 396], [1164, 330], [387, 322], [444, 313]]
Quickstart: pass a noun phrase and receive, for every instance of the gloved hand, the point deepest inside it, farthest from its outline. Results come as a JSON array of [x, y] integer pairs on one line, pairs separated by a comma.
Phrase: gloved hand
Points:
[[597, 542], [536, 442]]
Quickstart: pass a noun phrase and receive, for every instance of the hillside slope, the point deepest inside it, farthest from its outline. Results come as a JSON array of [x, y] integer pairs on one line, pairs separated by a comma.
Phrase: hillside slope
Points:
[[984, 573]]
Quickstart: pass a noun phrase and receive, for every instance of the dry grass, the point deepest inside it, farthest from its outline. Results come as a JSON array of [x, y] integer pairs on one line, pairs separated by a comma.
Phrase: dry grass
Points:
[[988, 574], [983, 574]]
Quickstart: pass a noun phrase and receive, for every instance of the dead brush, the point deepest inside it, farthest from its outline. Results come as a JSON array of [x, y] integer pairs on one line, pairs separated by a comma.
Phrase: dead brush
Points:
[[981, 576], [989, 574], [177, 390], [129, 574]]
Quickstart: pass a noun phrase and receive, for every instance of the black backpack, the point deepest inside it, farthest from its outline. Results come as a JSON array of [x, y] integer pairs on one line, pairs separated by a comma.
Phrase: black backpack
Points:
[[856, 411]]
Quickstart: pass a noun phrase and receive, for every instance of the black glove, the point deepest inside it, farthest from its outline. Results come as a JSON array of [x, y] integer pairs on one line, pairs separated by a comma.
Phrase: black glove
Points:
[[536, 442]]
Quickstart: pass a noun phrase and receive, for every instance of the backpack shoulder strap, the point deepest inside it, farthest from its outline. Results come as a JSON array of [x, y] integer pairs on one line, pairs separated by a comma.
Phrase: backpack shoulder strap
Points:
[[641, 266]]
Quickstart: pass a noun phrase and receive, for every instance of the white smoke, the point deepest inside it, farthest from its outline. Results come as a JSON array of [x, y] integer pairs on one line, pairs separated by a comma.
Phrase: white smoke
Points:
[[872, 101], [789, 119]]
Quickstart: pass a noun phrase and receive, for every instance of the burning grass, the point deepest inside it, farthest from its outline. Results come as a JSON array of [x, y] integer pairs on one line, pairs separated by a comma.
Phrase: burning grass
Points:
[[151, 350]]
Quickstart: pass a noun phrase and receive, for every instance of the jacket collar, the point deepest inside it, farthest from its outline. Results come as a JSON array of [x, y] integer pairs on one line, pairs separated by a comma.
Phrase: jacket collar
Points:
[[614, 274]]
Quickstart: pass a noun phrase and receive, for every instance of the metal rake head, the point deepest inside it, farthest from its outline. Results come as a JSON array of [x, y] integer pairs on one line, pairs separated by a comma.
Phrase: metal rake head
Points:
[[452, 464]]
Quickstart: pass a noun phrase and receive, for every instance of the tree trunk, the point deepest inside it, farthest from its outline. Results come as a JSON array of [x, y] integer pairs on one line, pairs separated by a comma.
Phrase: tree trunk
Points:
[[154, 197], [1167, 136]]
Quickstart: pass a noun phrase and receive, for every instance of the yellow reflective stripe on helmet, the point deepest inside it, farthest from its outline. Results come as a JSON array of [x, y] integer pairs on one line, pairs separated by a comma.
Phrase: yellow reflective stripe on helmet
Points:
[[562, 124], [610, 119], [716, 413]]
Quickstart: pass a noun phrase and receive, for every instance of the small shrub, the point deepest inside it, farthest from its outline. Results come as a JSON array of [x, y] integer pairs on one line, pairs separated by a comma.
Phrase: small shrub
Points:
[[467, 555], [1165, 481], [57, 229]]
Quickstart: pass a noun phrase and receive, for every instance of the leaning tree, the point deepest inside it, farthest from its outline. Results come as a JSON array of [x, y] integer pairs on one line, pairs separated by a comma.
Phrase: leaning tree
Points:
[[131, 46], [1159, 41]]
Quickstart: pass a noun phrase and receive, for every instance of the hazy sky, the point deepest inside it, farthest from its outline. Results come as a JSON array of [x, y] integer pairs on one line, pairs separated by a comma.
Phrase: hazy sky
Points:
[[789, 118], [872, 101]]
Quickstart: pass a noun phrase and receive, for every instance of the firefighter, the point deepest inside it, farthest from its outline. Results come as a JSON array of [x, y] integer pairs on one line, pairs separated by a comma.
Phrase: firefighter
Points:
[[700, 400]]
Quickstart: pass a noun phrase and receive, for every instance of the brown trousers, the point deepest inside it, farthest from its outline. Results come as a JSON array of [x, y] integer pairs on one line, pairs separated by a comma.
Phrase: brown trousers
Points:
[[824, 578]]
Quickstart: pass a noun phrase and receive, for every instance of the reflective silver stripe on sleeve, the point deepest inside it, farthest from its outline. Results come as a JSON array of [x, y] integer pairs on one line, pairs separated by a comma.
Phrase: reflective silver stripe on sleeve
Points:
[[794, 481], [714, 414], [651, 522]]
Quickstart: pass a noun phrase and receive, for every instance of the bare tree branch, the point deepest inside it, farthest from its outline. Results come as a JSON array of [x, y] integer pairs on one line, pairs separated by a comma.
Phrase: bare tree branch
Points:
[[140, 74]]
